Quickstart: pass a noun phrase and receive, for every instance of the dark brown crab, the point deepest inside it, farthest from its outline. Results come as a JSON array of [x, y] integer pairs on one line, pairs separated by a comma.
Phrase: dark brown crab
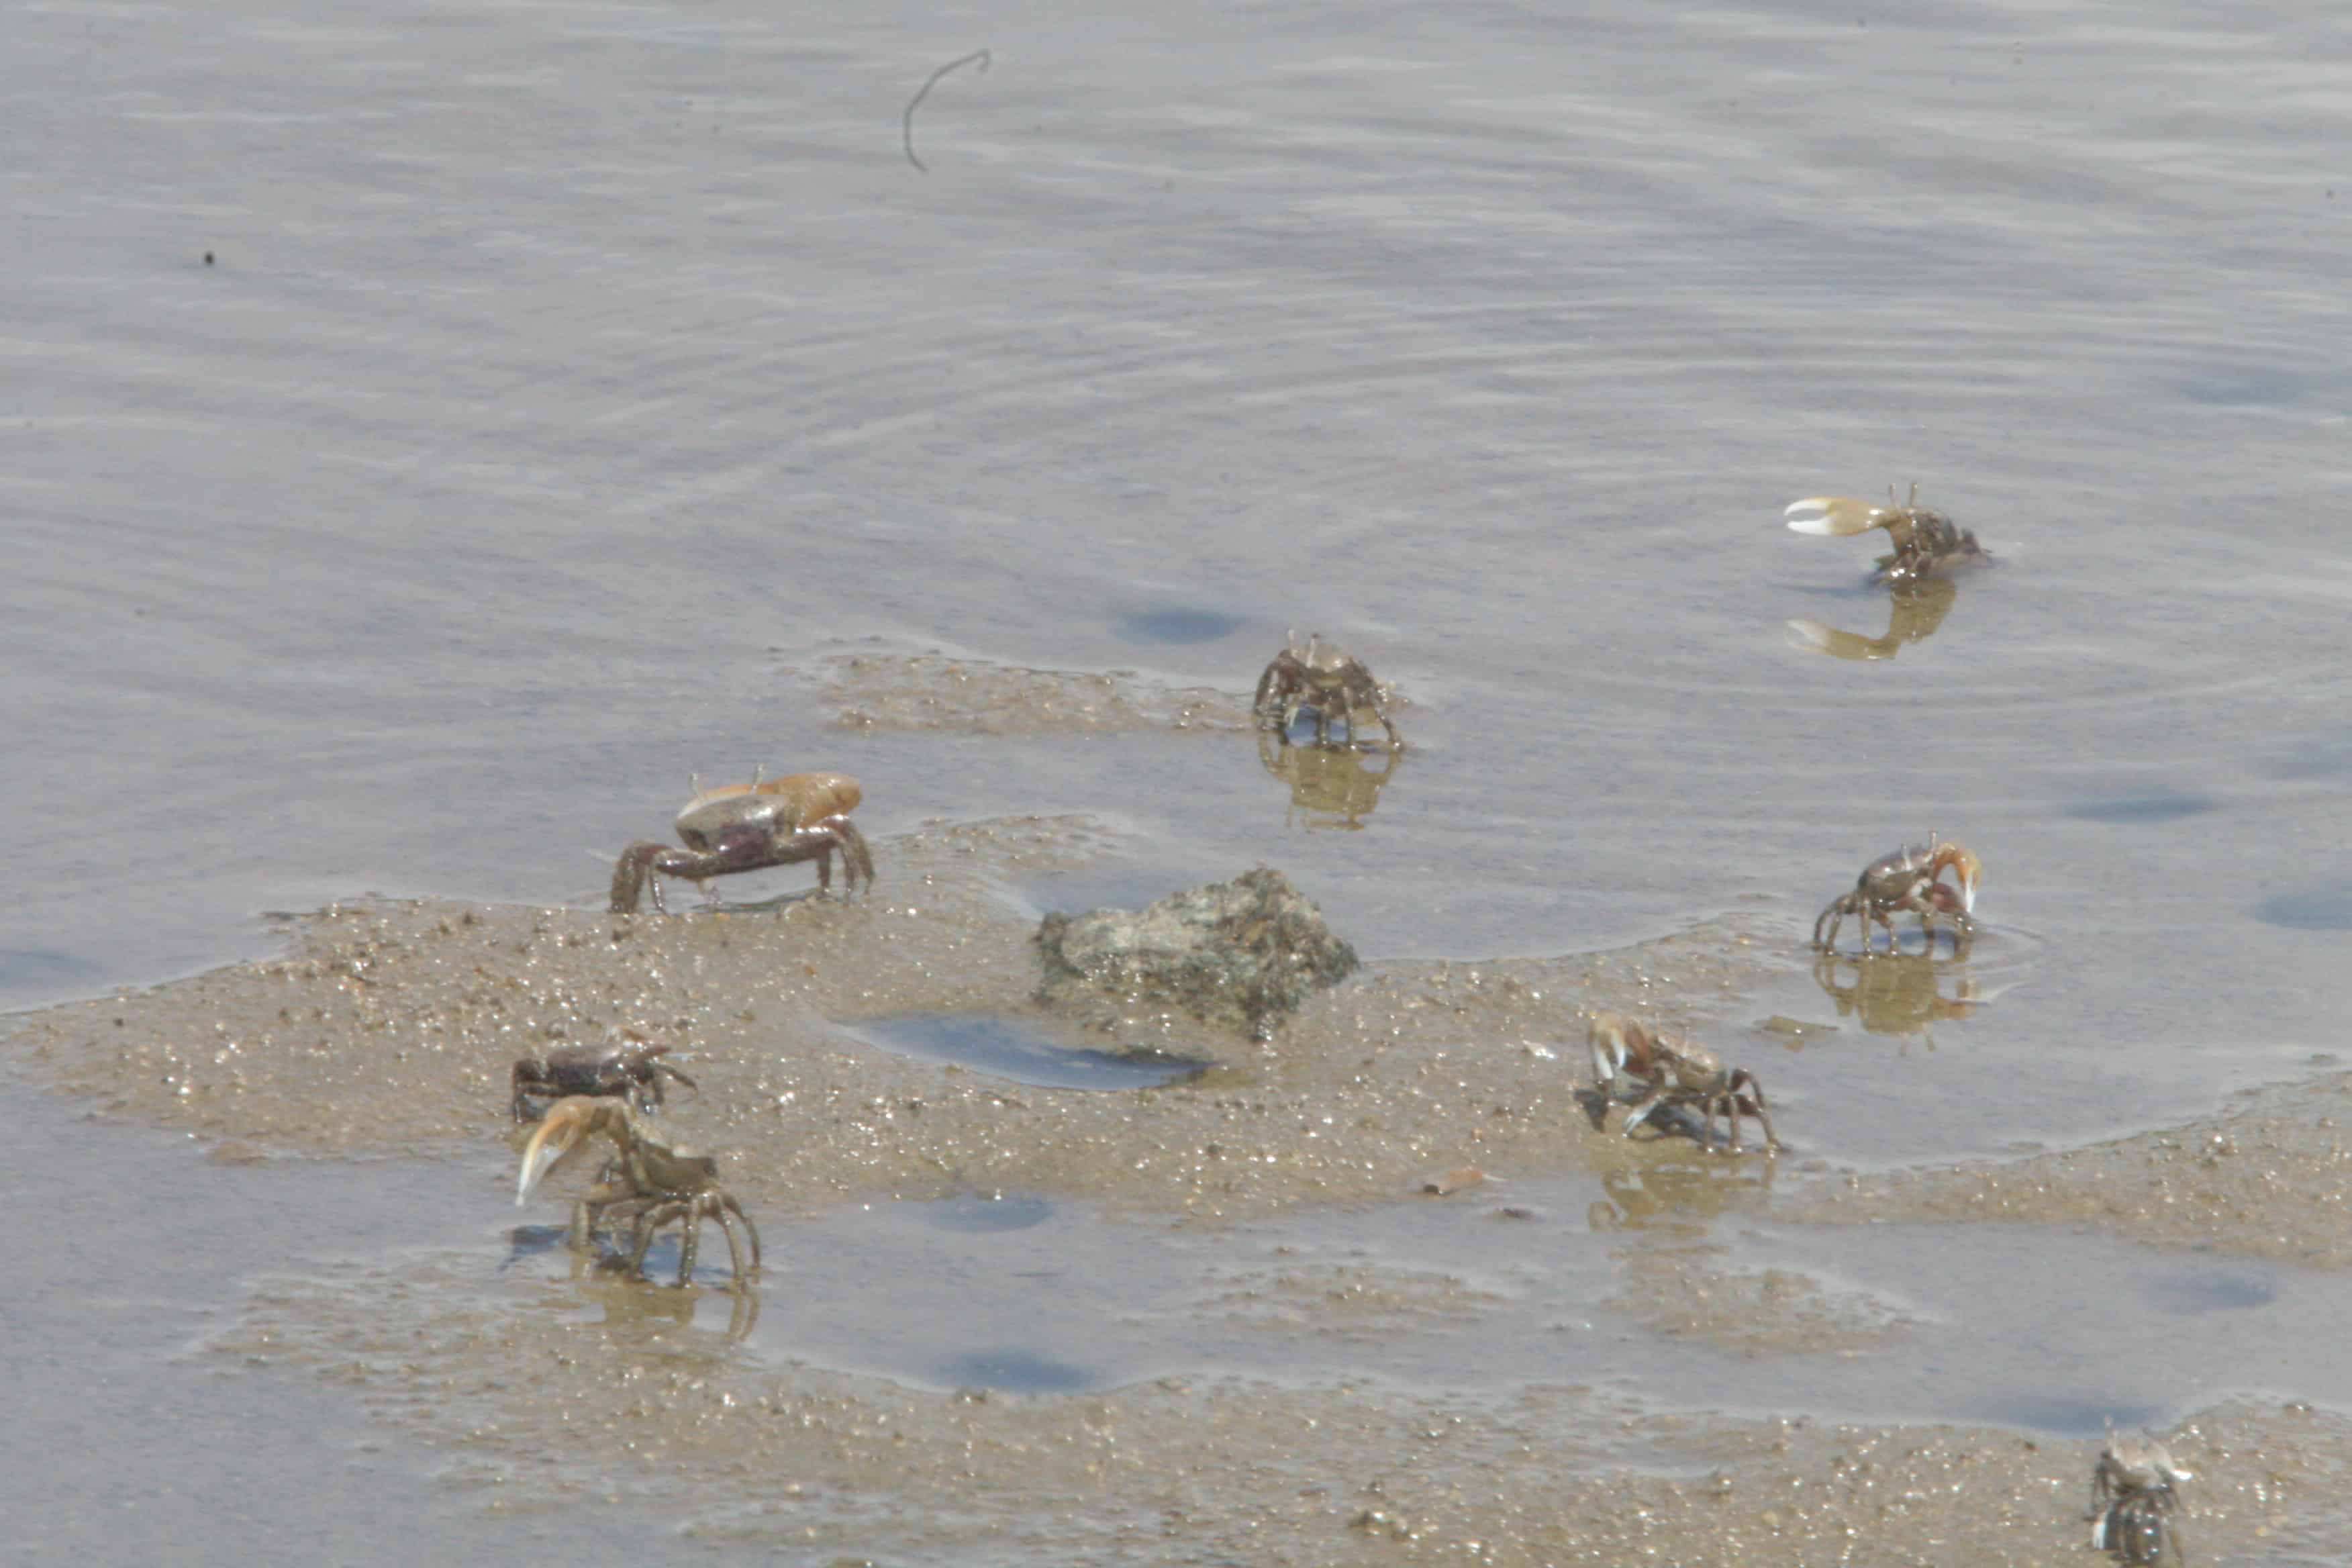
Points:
[[749, 828], [1908, 879], [648, 1183], [2135, 1500], [1672, 1071], [1925, 541], [1326, 682], [627, 1069]]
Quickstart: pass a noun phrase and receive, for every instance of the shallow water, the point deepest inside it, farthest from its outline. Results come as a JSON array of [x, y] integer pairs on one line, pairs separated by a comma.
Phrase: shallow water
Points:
[[577, 391], [1020, 1049]]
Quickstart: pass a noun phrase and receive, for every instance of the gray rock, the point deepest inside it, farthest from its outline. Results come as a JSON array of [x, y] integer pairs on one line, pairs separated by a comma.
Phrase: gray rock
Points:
[[1240, 955]]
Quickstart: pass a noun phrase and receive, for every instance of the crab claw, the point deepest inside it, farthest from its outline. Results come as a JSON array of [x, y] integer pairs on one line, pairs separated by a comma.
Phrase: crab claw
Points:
[[1613, 1052], [568, 1122], [1835, 516], [1969, 866]]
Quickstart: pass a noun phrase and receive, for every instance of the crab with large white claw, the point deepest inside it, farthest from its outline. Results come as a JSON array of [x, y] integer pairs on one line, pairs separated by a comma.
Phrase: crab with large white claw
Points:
[[1669, 1069], [1332, 684], [2135, 1500], [1925, 541], [648, 1183], [1909, 880], [750, 826]]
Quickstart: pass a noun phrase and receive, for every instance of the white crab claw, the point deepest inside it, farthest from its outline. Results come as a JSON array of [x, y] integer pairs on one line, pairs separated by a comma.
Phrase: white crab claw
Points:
[[536, 1161], [1606, 1065], [558, 1132], [534, 1166], [1835, 516]]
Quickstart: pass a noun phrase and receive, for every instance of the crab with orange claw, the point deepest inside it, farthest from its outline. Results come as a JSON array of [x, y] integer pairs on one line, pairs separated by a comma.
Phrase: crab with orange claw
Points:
[[1669, 1069], [623, 1067], [749, 828], [1325, 681], [1909, 879], [648, 1183], [1925, 541], [2135, 1500]]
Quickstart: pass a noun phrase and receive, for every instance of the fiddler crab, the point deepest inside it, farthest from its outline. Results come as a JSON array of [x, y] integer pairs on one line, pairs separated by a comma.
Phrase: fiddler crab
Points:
[[1669, 1069], [749, 828], [1925, 541], [1908, 879], [629, 1069], [2135, 1501], [1332, 684], [648, 1183]]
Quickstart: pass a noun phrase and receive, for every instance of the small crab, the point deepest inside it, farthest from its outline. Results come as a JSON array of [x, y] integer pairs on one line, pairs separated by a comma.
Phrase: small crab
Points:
[[1909, 879], [1925, 541], [626, 1068], [749, 828], [1673, 1070], [2135, 1501], [649, 1182], [1325, 681]]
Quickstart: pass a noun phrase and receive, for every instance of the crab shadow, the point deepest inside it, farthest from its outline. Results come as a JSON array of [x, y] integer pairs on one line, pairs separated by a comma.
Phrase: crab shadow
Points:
[[1674, 1119]]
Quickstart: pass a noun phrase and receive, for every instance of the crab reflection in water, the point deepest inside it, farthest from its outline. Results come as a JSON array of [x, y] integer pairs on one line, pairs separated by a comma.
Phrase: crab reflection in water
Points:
[[1676, 1196], [1331, 787], [635, 1317], [1914, 612], [1896, 993]]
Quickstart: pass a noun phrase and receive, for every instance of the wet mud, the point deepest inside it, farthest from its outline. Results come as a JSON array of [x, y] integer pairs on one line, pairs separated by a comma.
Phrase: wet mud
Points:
[[394, 1028], [1484, 1375], [2270, 1177]]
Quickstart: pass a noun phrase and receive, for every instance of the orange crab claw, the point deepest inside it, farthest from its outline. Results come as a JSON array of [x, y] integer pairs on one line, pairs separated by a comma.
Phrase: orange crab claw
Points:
[[1966, 864]]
